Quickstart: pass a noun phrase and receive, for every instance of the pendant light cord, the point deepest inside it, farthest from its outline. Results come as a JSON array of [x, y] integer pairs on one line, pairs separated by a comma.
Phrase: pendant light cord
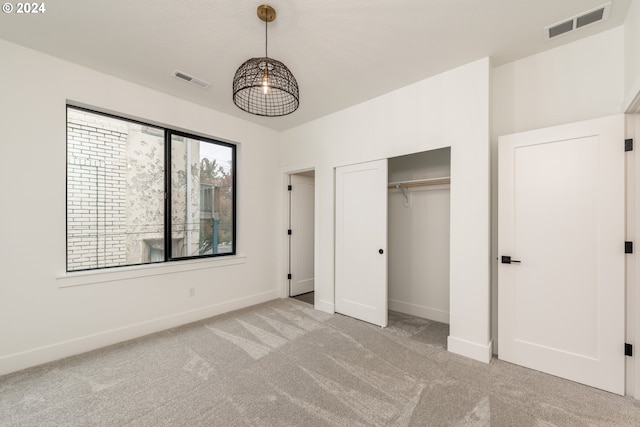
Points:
[[266, 24]]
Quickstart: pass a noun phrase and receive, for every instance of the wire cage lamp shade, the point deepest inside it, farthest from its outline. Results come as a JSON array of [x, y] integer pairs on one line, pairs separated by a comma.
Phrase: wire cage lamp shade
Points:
[[264, 86]]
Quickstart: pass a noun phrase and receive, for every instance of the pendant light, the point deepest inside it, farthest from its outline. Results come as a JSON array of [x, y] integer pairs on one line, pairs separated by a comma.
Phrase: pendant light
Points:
[[264, 86]]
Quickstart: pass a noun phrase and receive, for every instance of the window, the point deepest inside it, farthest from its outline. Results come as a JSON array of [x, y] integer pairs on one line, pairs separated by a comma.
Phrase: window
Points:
[[139, 194]]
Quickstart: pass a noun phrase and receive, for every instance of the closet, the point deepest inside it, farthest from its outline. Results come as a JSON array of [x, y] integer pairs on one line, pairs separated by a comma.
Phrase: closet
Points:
[[418, 234]]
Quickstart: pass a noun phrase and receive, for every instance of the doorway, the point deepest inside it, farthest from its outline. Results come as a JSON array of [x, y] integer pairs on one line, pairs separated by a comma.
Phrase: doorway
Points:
[[419, 237], [301, 241], [392, 239]]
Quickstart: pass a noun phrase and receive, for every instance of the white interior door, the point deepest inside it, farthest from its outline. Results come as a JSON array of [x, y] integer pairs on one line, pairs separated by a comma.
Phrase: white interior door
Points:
[[561, 217], [361, 241], [301, 242]]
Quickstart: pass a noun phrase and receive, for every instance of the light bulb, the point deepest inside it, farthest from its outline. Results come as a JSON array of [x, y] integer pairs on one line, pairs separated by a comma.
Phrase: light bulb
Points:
[[265, 82]]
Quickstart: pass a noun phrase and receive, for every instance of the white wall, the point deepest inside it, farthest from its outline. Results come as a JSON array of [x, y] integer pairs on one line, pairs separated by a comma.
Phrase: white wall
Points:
[[418, 236], [578, 81], [632, 57], [418, 248], [573, 82], [43, 315], [451, 109]]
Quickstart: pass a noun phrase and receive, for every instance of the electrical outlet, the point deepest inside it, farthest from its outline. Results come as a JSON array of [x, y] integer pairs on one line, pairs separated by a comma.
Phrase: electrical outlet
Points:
[[192, 292]]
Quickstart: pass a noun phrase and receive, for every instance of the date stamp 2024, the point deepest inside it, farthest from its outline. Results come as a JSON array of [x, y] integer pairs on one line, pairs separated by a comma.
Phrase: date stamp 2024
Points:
[[24, 8]]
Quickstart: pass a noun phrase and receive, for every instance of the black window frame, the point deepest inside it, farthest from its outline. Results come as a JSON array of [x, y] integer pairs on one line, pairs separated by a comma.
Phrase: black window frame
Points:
[[168, 241]]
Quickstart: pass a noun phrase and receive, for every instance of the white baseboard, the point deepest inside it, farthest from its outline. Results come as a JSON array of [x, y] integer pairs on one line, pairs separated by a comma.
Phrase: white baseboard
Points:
[[470, 349], [49, 353], [420, 311]]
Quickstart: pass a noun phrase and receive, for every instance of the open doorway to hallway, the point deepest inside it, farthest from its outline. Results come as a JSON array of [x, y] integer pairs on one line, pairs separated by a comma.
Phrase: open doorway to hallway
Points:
[[301, 235]]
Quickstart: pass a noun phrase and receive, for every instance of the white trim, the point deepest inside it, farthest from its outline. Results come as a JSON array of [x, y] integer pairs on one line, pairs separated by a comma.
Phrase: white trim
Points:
[[631, 103], [325, 306], [479, 352], [18, 361], [390, 155], [633, 260], [286, 174], [66, 280], [286, 255]]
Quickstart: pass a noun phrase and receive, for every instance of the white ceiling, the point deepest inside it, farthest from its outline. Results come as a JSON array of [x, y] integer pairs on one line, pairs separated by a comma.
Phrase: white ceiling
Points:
[[342, 52]]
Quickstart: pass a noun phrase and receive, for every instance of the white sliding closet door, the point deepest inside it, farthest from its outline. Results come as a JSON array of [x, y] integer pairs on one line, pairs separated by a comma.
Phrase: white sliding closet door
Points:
[[361, 241]]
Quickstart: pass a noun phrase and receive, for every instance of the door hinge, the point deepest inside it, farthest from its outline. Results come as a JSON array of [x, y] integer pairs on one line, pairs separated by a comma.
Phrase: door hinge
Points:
[[289, 276], [628, 144], [289, 232], [289, 187], [628, 349], [628, 247]]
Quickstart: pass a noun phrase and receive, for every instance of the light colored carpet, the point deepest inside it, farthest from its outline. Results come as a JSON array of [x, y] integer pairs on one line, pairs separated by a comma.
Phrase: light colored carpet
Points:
[[284, 364]]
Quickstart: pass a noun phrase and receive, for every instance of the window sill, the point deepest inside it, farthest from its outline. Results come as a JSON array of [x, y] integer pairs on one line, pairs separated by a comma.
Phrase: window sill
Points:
[[82, 278]]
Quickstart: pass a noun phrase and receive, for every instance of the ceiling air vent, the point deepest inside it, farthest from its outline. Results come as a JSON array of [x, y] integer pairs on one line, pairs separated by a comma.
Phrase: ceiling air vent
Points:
[[600, 13], [590, 18], [558, 29], [190, 79]]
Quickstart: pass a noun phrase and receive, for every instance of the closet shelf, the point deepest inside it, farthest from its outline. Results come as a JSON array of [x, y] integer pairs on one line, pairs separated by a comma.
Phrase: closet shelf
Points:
[[420, 182]]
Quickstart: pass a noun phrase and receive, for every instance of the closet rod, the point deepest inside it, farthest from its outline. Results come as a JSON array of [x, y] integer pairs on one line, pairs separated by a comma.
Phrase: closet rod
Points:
[[420, 182]]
